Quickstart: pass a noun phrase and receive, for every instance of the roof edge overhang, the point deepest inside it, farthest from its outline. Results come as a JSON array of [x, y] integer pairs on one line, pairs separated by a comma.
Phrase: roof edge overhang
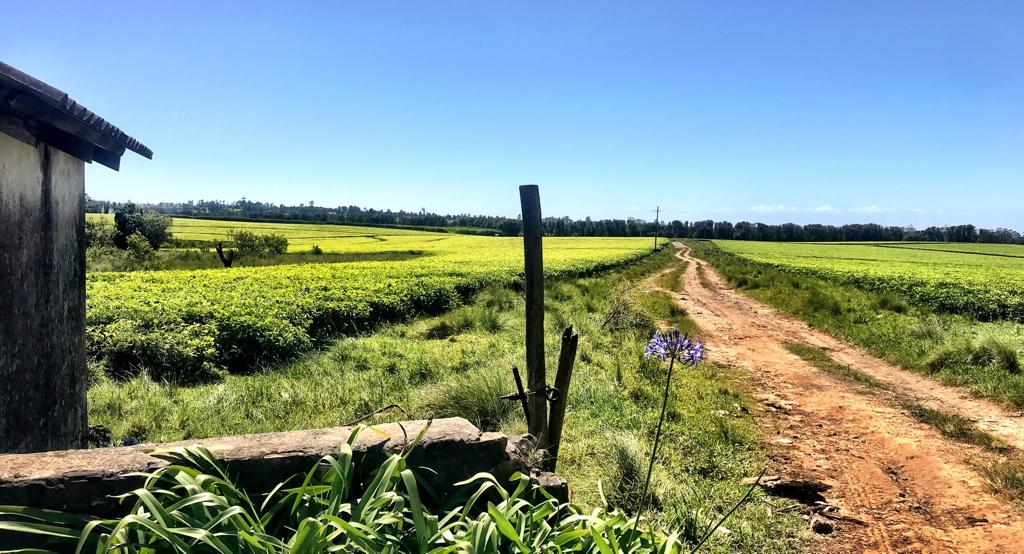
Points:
[[33, 111]]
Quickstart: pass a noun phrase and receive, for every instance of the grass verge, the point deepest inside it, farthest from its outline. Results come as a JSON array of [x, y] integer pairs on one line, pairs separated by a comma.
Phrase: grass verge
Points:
[[1005, 475], [949, 424], [821, 360]]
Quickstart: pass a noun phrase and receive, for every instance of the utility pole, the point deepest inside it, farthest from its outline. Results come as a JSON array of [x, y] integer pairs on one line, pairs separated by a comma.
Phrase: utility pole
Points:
[[657, 213]]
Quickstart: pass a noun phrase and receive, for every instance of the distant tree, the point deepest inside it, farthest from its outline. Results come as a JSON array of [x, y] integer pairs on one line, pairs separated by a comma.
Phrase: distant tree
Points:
[[129, 219], [791, 232], [723, 230], [511, 227], [704, 229], [744, 230], [562, 226]]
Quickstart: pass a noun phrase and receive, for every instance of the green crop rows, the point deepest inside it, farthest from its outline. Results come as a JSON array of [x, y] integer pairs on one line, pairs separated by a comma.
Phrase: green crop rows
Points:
[[187, 325], [984, 281]]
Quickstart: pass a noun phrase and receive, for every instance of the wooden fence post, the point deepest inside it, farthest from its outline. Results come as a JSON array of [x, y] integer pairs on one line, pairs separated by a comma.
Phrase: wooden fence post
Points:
[[529, 196], [566, 361]]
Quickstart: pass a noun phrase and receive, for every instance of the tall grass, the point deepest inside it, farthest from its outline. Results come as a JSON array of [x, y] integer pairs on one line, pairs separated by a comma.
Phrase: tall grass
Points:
[[476, 397]]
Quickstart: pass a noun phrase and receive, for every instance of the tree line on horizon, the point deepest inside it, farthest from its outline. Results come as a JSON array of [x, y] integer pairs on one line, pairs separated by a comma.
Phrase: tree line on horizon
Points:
[[568, 227]]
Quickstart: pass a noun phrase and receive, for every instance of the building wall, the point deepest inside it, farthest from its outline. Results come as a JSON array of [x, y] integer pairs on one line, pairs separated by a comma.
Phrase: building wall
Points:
[[42, 298]]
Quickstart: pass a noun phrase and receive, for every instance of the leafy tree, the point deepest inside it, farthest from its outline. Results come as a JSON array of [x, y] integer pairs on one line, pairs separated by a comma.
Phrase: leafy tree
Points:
[[130, 220]]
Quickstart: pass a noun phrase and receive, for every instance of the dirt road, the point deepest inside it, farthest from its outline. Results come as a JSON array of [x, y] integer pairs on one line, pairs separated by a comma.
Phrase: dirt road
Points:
[[910, 488]]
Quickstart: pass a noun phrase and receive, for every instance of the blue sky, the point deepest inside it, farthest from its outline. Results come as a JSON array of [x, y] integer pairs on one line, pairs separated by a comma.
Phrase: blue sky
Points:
[[895, 112]]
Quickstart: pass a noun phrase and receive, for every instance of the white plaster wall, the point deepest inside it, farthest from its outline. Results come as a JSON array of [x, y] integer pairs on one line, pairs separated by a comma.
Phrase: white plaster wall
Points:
[[42, 298]]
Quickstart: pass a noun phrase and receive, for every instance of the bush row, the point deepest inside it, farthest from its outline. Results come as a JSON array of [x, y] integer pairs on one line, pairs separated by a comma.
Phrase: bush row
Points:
[[192, 325]]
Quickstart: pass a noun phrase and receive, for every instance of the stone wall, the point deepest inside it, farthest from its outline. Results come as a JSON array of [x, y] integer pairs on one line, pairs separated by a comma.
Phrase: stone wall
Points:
[[84, 481]]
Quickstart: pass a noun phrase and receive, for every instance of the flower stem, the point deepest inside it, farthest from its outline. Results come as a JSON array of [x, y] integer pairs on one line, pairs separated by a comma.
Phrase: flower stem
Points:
[[657, 439]]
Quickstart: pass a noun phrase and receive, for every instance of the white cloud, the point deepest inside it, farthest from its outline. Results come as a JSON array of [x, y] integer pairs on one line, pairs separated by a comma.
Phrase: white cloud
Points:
[[724, 210], [767, 208], [872, 209], [633, 209], [823, 208]]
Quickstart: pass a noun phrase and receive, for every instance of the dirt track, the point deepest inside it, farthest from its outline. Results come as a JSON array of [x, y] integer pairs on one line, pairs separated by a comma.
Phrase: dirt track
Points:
[[910, 488]]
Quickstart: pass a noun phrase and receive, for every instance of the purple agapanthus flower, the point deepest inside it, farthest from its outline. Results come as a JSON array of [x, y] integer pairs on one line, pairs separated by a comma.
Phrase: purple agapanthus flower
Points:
[[675, 345]]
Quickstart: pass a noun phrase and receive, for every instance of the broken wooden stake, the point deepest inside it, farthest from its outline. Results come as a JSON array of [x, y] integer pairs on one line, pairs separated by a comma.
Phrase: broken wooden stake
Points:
[[566, 361]]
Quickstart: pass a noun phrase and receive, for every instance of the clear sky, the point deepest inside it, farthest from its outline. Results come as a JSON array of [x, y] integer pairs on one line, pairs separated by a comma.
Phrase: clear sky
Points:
[[895, 112]]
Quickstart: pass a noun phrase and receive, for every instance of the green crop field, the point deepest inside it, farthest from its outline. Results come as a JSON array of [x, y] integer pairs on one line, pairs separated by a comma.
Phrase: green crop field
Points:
[[301, 236], [1010, 250], [185, 325], [984, 281]]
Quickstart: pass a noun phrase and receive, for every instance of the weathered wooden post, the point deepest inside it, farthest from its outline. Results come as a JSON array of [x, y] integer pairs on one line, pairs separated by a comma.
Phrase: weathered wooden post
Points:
[[566, 361], [529, 196], [45, 141]]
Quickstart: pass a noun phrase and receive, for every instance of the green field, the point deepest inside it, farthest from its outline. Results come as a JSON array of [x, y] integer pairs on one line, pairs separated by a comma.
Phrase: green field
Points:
[[186, 325], [980, 280], [301, 236]]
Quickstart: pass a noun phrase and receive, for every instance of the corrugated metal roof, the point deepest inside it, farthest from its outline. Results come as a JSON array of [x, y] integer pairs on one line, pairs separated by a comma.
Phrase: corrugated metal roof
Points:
[[60, 101]]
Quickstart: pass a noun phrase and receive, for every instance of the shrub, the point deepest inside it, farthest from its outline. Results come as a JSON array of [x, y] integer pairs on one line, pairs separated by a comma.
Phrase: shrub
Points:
[[250, 244], [247, 243], [98, 233], [264, 314], [180, 354], [274, 244], [315, 250], [139, 249]]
